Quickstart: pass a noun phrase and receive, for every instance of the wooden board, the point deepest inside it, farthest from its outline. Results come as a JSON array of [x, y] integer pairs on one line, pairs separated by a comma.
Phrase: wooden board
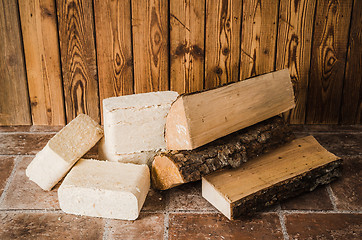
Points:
[[187, 45], [76, 35], [294, 50], [328, 62], [298, 166], [114, 48], [14, 98], [170, 169], [222, 40], [351, 109], [150, 45], [197, 119], [41, 47], [258, 39]]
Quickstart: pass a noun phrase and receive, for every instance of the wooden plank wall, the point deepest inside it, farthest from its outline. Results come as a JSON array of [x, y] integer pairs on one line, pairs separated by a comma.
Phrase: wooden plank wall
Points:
[[59, 58]]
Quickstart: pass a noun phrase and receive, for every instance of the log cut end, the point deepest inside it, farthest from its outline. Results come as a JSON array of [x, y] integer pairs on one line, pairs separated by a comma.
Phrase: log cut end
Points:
[[177, 130], [165, 174]]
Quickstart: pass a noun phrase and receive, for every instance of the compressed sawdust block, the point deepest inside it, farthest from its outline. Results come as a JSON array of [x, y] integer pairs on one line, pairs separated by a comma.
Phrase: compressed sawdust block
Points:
[[135, 123], [62, 151], [297, 167], [145, 157], [105, 189]]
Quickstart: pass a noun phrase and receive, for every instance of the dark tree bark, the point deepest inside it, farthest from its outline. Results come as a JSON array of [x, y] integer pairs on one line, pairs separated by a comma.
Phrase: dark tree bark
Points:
[[173, 168], [287, 189]]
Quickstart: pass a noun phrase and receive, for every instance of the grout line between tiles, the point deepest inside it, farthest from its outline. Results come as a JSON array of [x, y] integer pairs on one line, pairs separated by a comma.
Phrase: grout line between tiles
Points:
[[332, 197], [166, 226], [106, 229], [320, 212], [282, 223], [32, 210], [9, 180], [193, 211], [30, 133]]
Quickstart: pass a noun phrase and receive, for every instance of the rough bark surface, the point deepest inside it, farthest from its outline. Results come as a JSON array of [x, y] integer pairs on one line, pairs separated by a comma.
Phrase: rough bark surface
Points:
[[286, 189], [231, 150]]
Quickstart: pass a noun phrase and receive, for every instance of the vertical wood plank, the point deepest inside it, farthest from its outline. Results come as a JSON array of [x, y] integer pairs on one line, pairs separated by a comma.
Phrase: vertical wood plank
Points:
[[78, 57], [150, 45], [351, 109], [294, 50], [187, 27], [328, 60], [114, 48], [259, 32], [222, 50], [41, 47], [14, 98]]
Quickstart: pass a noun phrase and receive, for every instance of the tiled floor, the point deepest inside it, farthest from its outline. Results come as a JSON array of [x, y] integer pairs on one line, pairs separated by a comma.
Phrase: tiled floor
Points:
[[330, 212]]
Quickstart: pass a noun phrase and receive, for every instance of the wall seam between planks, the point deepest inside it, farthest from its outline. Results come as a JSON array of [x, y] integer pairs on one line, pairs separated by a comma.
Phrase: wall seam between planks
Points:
[[96, 62], [168, 45], [345, 65], [205, 28], [276, 41], [240, 36], [60, 63], [24, 60], [310, 64], [132, 56]]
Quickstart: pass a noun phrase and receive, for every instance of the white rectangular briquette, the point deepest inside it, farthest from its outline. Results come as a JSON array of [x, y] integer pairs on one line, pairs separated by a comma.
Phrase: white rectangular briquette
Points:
[[63, 150], [135, 123], [144, 157], [105, 189]]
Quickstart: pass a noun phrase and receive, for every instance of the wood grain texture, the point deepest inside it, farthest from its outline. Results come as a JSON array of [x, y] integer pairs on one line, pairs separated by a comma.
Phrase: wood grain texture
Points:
[[328, 62], [14, 98], [259, 32], [199, 118], [78, 58], [296, 167], [114, 48], [294, 50], [222, 52], [351, 109], [187, 28], [150, 45], [41, 48]]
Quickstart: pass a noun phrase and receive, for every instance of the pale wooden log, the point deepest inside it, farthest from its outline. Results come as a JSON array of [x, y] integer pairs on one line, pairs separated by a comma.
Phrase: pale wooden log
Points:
[[297, 167], [173, 168], [199, 118]]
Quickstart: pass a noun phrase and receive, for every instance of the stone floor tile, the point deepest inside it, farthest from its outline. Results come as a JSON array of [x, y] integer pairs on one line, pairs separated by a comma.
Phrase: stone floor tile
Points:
[[188, 197], [155, 201], [6, 167], [17, 225], [216, 226], [324, 226], [23, 143], [25, 194], [341, 144], [148, 226], [316, 200], [348, 189]]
